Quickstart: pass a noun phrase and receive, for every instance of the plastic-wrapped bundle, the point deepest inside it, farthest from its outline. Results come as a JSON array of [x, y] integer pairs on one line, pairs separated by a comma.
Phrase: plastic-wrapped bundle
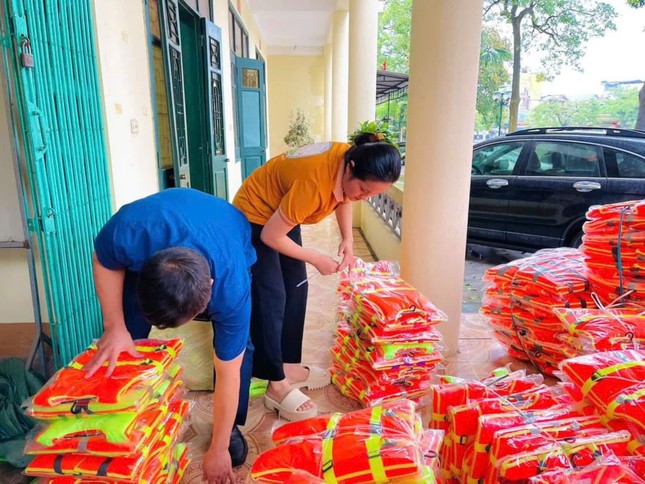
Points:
[[381, 444], [387, 344], [501, 382], [519, 304], [515, 440], [613, 244], [463, 421], [572, 453], [131, 468], [393, 305], [613, 381], [592, 330], [608, 469], [68, 393], [111, 435]]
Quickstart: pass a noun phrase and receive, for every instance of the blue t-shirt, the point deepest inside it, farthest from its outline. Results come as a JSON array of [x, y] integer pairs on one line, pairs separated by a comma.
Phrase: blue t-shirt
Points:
[[183, 217]]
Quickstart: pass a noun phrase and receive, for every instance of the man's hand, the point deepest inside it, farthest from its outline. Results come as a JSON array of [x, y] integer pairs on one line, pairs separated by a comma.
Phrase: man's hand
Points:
[[346, 251], [114, 341], [217, 467], [325, 264]]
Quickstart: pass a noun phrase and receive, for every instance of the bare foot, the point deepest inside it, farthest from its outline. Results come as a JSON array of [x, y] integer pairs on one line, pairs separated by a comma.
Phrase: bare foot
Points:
[[277, 390]]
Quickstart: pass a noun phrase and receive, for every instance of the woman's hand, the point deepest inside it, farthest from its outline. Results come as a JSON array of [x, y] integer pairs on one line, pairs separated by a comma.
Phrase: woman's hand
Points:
[[346, 251], [325, 264]]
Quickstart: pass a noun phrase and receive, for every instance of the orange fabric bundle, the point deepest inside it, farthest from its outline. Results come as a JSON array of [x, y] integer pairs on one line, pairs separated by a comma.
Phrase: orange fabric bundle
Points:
[[131, 386], [126, 468], [515, 440], [573, 453], [96, 435], [613, 382], [613, 244], [380, 444], [609, 469], [591, 330], [393, 305], [500, 382], [463, 422]]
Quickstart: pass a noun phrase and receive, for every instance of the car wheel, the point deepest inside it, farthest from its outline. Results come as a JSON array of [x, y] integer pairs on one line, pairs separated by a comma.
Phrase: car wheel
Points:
[[576, 241]]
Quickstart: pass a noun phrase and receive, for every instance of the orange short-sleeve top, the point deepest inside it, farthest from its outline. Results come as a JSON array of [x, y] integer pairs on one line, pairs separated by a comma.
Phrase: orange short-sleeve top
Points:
[[299, 182]]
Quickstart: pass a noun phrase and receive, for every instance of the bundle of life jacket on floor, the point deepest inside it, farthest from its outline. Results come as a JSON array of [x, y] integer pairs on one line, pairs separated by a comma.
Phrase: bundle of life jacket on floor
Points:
[[510, 428], [382, 444], [386, 344], [614, 247], [124, 428], [559, 303]]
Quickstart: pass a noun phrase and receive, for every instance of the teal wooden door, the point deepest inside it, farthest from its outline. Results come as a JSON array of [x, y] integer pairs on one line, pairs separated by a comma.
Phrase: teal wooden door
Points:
[[212, 43], [251, 113], [62, 143], [171, 46]]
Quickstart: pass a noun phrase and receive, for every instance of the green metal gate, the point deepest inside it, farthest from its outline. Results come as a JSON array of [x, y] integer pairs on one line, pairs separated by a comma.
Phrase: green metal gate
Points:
[[64, 157]]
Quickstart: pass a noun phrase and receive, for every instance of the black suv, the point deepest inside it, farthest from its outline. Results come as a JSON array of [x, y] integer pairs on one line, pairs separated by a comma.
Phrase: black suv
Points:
[[531, 189]]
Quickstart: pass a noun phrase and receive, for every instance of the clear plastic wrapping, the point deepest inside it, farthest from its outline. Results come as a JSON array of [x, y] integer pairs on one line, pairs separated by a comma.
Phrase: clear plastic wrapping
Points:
[[381, 444]]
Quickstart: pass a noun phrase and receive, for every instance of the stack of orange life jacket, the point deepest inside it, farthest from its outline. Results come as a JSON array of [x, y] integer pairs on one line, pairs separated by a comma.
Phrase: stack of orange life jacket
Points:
[[385, 443], [124, 428], [614, 245], [519, 304], [387, 344]]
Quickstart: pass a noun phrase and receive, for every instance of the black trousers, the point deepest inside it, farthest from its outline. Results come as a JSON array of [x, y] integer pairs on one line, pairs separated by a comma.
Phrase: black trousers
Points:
[[278, 307], [140, 329]]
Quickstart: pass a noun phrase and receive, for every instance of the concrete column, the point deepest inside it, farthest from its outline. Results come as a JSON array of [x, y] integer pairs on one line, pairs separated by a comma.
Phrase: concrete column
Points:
[[327, 52], [444, 60], [339, 75], [363, 31]]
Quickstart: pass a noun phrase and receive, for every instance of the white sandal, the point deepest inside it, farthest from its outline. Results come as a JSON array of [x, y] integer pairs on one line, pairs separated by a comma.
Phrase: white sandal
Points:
[[288, 407], [317, 378]]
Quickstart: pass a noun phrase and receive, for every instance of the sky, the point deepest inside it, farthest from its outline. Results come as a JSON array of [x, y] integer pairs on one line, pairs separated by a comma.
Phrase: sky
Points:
[[618, 56]]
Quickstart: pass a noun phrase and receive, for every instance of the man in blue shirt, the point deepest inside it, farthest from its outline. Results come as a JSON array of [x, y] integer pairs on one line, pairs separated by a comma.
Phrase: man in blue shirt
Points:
[[161, 261]]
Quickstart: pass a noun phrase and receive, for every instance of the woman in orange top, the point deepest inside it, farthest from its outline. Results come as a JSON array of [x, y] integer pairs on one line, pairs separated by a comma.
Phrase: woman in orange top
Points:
[[302, 186]]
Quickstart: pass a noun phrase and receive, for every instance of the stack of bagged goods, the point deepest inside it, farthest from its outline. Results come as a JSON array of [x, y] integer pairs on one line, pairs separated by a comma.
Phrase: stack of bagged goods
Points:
[[122, 428], [519, 303], [510, 428], [603, 329], [382, 444], [387, 344], [614, 247]]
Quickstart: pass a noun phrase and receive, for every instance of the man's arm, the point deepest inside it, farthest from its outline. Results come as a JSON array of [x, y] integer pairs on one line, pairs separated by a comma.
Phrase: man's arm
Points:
[[344, 214], [217, 461], [115, 339]]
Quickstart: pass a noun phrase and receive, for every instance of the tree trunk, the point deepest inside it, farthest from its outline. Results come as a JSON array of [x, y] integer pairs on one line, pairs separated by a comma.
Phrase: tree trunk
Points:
[[517, 65], [640, 120]]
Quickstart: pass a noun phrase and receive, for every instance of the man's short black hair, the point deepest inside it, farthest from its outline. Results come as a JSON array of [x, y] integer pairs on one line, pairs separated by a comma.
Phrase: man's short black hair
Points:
[[174, 286]]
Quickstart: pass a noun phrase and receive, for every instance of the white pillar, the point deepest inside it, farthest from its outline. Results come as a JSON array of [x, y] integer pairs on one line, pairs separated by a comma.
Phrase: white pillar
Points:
[[444, 61], [363, 31], [339, 75], [327, 52]]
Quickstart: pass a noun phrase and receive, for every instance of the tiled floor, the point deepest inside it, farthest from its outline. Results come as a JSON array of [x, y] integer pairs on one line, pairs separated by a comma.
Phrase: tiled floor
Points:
[[478, 354]]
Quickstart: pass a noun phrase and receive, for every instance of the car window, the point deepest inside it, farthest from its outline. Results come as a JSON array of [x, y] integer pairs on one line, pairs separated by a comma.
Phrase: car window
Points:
[[496, 160], [626, 165], [563, 159]]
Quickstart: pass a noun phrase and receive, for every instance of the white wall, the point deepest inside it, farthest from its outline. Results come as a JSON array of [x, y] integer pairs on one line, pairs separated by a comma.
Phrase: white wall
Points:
[[125, 82]]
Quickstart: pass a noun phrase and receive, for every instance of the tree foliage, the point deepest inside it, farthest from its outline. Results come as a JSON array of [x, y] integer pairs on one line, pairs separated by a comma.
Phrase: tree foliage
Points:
[[618, 109], [394, 50], [394, 35], [558, 29]]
